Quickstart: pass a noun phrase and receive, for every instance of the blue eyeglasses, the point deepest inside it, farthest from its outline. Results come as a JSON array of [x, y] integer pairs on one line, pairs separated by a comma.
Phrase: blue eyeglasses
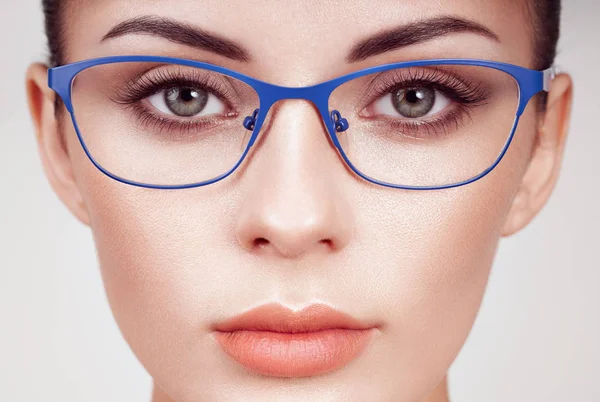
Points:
[[169, 123]]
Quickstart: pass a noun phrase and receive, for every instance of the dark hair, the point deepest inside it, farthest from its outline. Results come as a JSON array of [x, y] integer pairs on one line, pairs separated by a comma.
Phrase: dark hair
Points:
[[53, 27], [545, 15]]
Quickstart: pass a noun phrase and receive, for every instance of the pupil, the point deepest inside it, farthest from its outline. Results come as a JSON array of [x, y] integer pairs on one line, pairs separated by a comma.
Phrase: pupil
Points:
[[414, 102], [188, 94], [411, 96]]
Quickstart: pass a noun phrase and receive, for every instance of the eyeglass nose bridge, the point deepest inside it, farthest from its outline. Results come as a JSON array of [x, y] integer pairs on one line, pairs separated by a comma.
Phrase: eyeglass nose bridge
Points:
[[319, 94], [341, 124]]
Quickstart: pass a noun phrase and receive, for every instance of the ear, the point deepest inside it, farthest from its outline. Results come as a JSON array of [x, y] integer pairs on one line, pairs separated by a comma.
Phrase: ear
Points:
[[544, 167], [52, 148]]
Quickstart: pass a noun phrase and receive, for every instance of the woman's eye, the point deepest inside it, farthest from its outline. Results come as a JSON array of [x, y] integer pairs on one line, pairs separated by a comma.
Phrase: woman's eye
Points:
[[187, 102], [411, 103]]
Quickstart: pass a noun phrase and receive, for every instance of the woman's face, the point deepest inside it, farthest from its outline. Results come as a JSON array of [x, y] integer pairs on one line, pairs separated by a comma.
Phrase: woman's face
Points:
[[294, 225]]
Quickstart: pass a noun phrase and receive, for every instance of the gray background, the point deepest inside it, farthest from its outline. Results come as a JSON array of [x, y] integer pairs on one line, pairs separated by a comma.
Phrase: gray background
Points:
[[535, 339]]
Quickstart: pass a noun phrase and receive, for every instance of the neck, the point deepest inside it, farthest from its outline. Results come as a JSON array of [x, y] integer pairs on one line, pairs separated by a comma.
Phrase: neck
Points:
[[439, 393]]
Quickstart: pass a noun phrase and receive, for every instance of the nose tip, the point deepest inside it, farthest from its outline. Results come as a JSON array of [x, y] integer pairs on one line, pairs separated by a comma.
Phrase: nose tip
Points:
[[291, 231]]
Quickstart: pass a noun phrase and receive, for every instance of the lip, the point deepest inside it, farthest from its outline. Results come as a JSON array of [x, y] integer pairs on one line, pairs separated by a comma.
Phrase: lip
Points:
[[276, 341]]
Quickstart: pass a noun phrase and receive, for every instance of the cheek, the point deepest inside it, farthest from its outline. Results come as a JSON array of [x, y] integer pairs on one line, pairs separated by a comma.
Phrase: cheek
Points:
[[159, 253], [159, 256], [432, 259], [435, 257]]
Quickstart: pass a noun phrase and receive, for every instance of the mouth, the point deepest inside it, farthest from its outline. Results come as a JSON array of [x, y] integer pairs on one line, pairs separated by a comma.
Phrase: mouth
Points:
[[275, 341]]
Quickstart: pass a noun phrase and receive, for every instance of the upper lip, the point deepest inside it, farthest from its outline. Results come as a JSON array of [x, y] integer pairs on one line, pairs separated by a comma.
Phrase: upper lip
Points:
[[277, 318]]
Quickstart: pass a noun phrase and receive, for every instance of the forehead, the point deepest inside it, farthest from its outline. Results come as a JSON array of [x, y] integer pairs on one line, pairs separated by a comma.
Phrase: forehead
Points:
[[300, 34]]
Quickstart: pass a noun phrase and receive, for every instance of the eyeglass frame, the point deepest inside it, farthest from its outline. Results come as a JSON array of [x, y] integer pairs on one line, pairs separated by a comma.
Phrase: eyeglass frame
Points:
[[529, 83]]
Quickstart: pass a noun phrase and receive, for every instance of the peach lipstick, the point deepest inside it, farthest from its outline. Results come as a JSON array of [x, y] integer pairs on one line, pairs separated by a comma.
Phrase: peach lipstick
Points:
[[273, 340]]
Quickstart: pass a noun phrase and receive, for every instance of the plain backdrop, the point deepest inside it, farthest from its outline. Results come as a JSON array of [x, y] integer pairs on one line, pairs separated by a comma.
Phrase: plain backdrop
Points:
[[535, 339]]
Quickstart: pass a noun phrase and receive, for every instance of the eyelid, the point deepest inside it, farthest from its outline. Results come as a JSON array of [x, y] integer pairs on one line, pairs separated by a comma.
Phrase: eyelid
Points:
[[452, 85], [152, 81], [377, 86]]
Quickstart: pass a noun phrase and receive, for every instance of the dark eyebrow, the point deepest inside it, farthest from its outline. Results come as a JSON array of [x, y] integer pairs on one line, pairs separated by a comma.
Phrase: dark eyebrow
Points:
[[413, 33], [180, 33]]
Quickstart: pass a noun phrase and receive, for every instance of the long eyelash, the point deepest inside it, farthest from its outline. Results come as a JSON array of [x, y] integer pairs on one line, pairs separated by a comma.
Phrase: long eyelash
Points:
[[456, 88], [460, 90], [143, 86]]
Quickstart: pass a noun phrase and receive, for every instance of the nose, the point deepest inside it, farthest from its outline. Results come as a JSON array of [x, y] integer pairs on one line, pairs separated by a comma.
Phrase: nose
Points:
[[294, 201]]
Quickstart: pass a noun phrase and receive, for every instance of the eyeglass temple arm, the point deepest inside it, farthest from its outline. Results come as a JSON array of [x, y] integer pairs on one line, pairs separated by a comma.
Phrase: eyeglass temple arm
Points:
[[549, 75]]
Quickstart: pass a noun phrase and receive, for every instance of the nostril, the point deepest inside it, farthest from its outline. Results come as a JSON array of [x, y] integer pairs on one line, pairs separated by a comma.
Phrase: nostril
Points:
[[327, 242], [261, 241]]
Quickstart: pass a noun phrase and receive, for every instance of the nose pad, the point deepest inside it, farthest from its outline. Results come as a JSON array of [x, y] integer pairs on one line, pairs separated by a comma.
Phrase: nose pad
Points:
[[250, 121], [340, 123]]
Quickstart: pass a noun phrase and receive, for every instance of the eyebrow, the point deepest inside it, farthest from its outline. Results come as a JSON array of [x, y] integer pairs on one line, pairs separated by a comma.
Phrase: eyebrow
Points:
[[180, 33], [414, 33]]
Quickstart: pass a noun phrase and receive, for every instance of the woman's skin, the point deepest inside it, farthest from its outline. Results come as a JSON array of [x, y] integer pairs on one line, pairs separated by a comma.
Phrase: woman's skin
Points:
[[175, 262]]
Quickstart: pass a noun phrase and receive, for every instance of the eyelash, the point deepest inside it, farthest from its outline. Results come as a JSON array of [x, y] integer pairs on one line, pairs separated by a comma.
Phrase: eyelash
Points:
[[461, 91], [142, 87]]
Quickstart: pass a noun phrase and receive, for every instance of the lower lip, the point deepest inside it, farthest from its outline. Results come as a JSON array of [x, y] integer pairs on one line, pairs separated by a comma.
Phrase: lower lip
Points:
[[302, 354]]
